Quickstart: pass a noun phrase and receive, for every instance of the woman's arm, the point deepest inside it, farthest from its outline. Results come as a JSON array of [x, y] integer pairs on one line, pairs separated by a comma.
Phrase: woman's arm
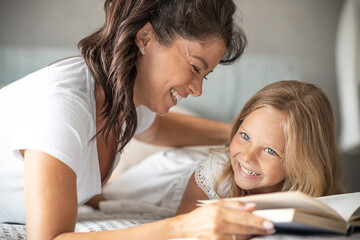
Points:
[[51, 210], [219, 220], [175, 129], [50, 196]]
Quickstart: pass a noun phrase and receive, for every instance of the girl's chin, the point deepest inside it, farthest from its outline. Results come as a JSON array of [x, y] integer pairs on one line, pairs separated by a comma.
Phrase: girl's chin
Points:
[[244, 184], [251, 188]]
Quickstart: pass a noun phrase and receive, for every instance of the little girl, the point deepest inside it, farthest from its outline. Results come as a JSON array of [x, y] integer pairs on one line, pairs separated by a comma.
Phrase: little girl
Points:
[[282, 140]]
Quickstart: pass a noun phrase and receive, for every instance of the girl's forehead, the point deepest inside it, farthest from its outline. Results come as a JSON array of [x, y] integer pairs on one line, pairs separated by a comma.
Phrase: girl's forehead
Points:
[[266, 125], [264, 113]]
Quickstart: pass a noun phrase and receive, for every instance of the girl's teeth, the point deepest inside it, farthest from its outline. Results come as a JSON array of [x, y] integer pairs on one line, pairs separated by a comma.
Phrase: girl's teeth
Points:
[[175, 95], [247, 172]]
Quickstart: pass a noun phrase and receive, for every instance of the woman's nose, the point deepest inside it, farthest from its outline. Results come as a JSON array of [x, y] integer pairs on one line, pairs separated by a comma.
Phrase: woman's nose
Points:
[[195, 87]]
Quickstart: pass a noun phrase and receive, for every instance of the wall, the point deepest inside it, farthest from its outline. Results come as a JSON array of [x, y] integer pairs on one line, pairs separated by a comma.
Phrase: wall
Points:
[[304, 30], [34, 33]]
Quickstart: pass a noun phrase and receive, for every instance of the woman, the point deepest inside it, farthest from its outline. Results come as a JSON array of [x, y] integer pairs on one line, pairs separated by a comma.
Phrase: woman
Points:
[[64, 126]]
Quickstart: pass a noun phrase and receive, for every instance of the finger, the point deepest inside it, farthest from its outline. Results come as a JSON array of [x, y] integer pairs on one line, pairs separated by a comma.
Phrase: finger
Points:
[[246, 230], [247, 219], [232, 212]]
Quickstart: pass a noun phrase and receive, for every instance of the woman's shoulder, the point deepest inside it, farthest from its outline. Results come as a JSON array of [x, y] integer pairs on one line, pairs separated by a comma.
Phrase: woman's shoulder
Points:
[[66, 84], [70, 73], [69, 76]]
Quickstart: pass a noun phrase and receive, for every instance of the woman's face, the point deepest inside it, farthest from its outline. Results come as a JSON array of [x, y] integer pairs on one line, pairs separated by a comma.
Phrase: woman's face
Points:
[[257, 151], [165, 75]]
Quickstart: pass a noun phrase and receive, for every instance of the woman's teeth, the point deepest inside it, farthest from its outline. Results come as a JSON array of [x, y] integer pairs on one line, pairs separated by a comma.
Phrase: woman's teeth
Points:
[[248, 172], [175, 95]]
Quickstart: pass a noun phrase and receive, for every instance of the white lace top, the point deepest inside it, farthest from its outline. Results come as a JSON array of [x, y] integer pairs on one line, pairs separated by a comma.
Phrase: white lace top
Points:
[[207, 173]]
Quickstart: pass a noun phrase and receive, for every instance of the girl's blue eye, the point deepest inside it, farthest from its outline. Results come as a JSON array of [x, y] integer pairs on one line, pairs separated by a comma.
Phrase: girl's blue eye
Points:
[[269, 150], [245, 136]]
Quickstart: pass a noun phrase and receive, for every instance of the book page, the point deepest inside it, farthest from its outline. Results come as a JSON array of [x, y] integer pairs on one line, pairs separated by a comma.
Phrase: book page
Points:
[[344, 204], [293, 199]]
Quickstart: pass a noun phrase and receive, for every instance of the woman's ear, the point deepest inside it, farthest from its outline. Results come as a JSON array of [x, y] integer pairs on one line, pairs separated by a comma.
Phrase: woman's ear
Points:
[[144, 35]]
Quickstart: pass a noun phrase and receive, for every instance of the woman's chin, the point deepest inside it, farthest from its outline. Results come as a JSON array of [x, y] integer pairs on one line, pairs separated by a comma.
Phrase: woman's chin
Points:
[[163, 111]]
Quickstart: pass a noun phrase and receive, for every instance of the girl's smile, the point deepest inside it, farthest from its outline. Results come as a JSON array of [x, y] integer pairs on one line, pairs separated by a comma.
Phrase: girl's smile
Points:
[[256, 151], [246, 173]]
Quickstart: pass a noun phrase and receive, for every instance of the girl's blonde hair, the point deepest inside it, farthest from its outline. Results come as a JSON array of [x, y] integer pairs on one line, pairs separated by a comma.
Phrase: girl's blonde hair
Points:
[[311, 158]]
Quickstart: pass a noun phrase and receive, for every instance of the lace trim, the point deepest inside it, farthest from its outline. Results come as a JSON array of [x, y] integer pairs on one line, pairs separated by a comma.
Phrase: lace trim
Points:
[[205, 183]]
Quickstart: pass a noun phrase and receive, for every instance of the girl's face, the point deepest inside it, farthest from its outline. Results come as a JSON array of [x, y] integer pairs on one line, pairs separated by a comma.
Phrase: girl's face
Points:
[[165, 75], [257, 151]]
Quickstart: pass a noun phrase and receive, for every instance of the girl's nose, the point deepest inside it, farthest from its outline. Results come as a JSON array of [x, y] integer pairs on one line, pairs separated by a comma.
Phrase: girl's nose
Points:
[[248, 155]]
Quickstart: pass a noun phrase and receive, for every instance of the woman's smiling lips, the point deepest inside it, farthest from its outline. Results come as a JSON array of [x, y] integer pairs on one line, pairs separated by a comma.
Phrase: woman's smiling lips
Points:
[[246, 173], [175, 95]]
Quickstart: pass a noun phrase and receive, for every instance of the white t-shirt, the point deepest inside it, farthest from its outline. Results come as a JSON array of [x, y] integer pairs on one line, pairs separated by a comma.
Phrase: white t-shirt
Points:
[[53, 111]]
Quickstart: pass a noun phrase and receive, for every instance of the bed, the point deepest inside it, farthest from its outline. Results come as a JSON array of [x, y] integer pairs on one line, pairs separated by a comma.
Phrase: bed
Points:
[[91, 220], [138, 213]]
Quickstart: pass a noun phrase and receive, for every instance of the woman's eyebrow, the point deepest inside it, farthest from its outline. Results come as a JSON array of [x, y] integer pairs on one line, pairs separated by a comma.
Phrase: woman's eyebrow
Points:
[[206, 65]]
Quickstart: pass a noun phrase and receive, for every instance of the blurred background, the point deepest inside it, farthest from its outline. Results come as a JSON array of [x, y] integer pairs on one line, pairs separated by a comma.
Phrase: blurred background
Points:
[[314, 41]]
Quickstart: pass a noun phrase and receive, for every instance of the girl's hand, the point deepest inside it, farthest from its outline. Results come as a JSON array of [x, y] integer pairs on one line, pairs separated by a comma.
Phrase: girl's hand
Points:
[[222, 220]]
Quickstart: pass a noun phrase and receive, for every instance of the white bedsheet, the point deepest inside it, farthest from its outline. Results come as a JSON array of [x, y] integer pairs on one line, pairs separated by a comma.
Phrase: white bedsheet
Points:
[[92, 220], [88, 220]]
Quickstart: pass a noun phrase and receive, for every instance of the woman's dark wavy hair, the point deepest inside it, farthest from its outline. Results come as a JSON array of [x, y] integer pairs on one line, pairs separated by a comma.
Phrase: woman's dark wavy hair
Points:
[[111, 52]]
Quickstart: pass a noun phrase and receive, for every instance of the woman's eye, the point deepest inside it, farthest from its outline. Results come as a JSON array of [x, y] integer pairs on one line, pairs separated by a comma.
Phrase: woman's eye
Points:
[[245, 136], [269, 150], [196, 69]]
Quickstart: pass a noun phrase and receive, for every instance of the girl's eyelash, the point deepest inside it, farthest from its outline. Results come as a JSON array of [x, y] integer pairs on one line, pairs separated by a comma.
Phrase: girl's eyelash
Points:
[[271, 151], [245, 136]]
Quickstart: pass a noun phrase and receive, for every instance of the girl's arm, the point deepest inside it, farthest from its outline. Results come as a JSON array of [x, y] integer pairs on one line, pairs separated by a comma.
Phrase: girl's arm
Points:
[[51, 210], [192, 193], [175, 129]]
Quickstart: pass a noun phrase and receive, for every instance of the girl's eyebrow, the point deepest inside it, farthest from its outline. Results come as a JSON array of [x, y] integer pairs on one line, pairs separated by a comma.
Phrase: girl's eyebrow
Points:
[[242, 128]]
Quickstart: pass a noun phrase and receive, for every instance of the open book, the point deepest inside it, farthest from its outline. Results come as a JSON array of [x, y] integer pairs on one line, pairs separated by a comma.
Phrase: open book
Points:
[[296, 211]]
